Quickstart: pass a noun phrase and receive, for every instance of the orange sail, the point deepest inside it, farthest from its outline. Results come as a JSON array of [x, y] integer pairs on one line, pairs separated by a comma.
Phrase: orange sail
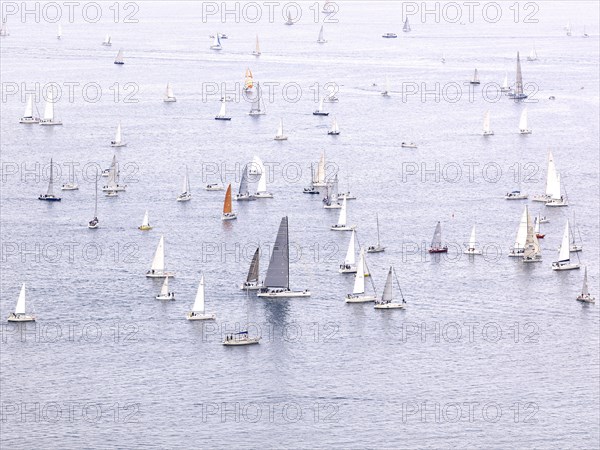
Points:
[[249, 80], [227, 204]]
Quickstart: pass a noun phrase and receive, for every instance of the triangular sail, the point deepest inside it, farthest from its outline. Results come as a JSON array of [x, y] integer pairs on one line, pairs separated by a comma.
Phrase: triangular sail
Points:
[[505, 85], [244, 181], [320, 178], [169, 92], [254, 267], [96, 200], [486, 122], [475, 76], [280, 128], [377, 221], [258, 106], [164, 290], [20, 308], [257, 50], [321, 39], [158, 262], [532, 246], [262, 181], [565, 252], [436, 242], [29, 107], [223, 110], [351, 252], [523, 120], [584, 288], [146, 221], [388, 294], [199, 301], [118, 134], [334, 126], [49, 109], [50, 191], [406, 27], [519, 78], [359, 278], [119, 58], [521, 238], [227, 203], [342, 218], [249, 81], [550, 175], [472, 239], [556, 188], [278, 273]]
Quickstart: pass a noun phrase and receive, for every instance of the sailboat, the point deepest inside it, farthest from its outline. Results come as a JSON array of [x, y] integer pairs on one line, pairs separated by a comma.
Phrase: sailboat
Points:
[[49, 111], [518, 93], [28, 116], [223, 112], [164, 293], [118, 141], [585, 35], [256, 51], [436, 242], [198, 312], [289, 20], [277, 281], [347, 195], [186, 194], [106, 41], [280, 136], [319, 180], [261, 189], [471, 247], [332, 198], [113, 178], [575, 247], [564, 255], [536, 227], [487, 130], [519, 245], [49, 195], [523, 126], [248, 80], [585, 295], [252, 282], [157, 270], [557, 198], [387, 298], [321, 39], [228, 213], [59, 32], [319, 111], [386, 90], [243, 192], [258, 106], [145, 226], [406, 28], [358, 291], [335, 130], [119, 58], [4, 29], [242, 337], [550, 181], [505, 86], [20, 315], [349, 264], [475, 79], [311, 187], [376, 248], [70, 185], [169, 96], [216, 45], [568, 28], [93, 224], [532, 251], [341, 225], [533, 54]]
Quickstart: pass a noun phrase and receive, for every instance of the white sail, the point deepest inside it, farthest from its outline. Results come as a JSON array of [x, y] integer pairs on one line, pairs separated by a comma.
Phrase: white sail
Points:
[[106, 40], [388, 294], [532, 246], [146, 221], [169, 93], [532, 54], [186, 182], [350, 253], [359, 278], [199, 302], [50, 191], [280, 128], [158, 262], [29, 107], [49, 109], [20, 308], [320, 108], [118, 134], [584, 289], [556, 188], [257, 48], [321, 39], [119, 58], [564, 252], [342, 218], [550, 175], [521, 238], [164, 290], [216, 42], [472, 239], [262, 181], [505, 86], [523, 120], [475, 77], [334, 126], [486, 122], [223, 109], [320, 178]]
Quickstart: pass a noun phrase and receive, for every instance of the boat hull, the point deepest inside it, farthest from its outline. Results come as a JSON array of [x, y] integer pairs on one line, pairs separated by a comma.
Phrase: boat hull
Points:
[[516, 197], [27, 120], [472, 251], [319, 113], [222, 118], [375, 249], [532, 260], [541, 198], [118, 144], [151, 274], [438, 250], [283, 294], [67, 187], [408, 145], [49, 199], [251, 286], [568, 266], [50, 122], [244, 198], [333, 133], [213, 187], [263, 195], [524, 131], [196, 316], [170, 100], [184, 198], [21, 318], [586, 299], [389, 306], [360, 298], [229, 216], [280, 138], [557, 203], [347, 269], [169, 296], [236, 343], [144, 228], [333, 206], [342, 228], [117, 188]]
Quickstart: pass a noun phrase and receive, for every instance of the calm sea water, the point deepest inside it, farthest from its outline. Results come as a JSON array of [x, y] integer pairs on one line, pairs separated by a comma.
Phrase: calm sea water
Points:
[[488, 353]]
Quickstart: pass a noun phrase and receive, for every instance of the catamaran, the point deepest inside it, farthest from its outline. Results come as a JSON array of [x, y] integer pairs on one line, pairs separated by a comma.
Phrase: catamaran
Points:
[[487, 130], [575, 247], [289, 20], [564, 254], [228, 213], [198, 312], [216, 45], [358, 291], [164, 293], [145, 226], [532, 251], [223, 112], [28, 116], [256, 51], [253, 282], [436, 242], [518, 93], [186, 194], [523, 126], [118, 141], [386, 90], [321, 39], [258, 105], [277, 281], [533, 54], [106, 42], [48, 118], [550, 181], [119, 58], [585, 295], [93, 224], [319, 111], [341, 225], [519, 245], [311, 187], [113, 178], [49, 195], [557, 198], [406, 28], [243, 192], [505, 86], [475, 79], [20, 314], [280, 136], [261, 189], [349, 264], [387, 298], [335, 130], [169, 96], [471, 247], [376, 248], [157, 270], [59, 32]]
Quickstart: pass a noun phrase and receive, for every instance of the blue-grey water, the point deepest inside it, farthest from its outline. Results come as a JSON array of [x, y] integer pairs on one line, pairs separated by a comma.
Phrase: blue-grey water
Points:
[[489, 352]]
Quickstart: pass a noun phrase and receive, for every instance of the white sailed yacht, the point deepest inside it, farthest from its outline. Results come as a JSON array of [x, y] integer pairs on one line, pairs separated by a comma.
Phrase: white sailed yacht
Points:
[[575, 247], [20, 314], [186, 193], [564, 254], [157, 270], [253, 282], [358, 291], [319, 111], [113, 178], [320, 180], [311, 189], [169, 96], [406, 28], [557, 198], [256, 51], [164, 293], [341, 225], [387, 298], [516, 195], [532, 251], [471, 248], [523, 125], [386, 90], [198, 312], [223, 112], [49, 195], [243, 192], [550, 181], [321, 39], [505, 86], [585, 295], [118, 141], [280, 136], [49, 118], [376, 248], [258, 105], [519, 246], [261, 188], [216, 44], [475, 79], [106, 42], [145, 226], [93, 224], [277, 281], [28, 116], [533, 54], [335, 129], [332, 198], [349, 264], [119, 59], [487, 130]]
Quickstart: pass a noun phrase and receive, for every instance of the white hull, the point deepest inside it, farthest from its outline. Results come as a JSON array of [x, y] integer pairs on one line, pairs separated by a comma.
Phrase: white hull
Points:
[[29, 120], [69, 187], [541, 198], [568, 266], [532, 260], [197, 316], [557, 203], [411, 145], [280, 138], [346, 196], [184, 197], [244, 198], [389, 306], [514, 254], [376, 249], [170, 100], [351, 298], [575, 248], [229, 216], [251, 286], [516, 197], [256, 113], [343, 228], [50, 122], [169, 296], [117, 188], [525, 131], [263, 195], [488, 133], [151, 274], [21, 318], [472, 251], [247, 341], [214, 187], [347, 269], [283, 294], [333, 206], [586, 299], [118, 144]]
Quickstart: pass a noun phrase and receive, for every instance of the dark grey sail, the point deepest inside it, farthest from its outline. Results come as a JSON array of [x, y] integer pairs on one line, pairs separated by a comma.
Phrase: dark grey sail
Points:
[[244, 182], [278, 273], [519, 80], [437, 236], [254, 268]]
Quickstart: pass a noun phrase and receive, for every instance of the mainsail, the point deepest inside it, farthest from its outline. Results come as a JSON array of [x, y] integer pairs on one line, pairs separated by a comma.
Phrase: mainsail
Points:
[[436, 242], [254, 268], [278, 273], [199, 302]]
